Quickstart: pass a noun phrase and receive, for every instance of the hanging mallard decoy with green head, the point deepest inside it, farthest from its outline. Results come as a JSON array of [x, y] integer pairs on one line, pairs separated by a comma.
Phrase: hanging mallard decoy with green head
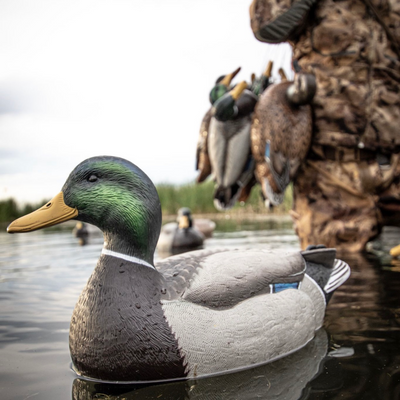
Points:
[[258, 85], [221, 87], [196, 314], [229, 146]]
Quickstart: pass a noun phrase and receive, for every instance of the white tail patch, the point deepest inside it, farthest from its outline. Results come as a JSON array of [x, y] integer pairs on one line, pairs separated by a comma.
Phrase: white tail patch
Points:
[[339, 275]]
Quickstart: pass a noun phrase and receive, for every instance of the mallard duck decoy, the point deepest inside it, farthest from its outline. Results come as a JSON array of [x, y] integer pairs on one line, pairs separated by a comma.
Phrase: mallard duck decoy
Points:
[[203, 165], [233, 113], [81, 232], [196, 314], [222, 85], [258, 85], [285, 379], [281, 134], [178, 237], [229, 146]]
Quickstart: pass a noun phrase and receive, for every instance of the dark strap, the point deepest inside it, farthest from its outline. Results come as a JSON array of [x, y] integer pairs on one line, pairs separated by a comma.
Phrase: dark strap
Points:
[[285, 25]]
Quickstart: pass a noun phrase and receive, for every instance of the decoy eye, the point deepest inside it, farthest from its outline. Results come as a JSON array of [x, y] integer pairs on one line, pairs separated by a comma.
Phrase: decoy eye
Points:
[[92, 178]]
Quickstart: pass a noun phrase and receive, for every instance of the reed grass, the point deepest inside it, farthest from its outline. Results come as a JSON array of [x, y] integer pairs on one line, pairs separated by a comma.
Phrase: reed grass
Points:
[[198, 197]]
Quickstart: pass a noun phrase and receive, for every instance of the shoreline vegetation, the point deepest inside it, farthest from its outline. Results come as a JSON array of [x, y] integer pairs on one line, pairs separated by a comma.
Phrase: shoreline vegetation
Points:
[[198, 197]]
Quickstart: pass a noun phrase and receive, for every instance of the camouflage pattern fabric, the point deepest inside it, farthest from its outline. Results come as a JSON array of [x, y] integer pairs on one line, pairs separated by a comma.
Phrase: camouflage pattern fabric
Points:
[[352, 48], [335, 203]]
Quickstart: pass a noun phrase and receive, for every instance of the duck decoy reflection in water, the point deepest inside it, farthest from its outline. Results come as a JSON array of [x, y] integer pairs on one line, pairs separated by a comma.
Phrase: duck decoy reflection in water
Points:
[[196, 314], [281, 134], [285, 379], [178, 237]]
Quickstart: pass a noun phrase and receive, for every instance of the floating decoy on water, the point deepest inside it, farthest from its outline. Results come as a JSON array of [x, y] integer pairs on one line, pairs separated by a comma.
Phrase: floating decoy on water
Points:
[[178, 237], [196, 314], [281, 134], [81, 232], [288, 378]]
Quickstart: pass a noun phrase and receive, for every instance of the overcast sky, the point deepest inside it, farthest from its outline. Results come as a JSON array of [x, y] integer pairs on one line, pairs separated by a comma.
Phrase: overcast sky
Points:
[[129, 78]]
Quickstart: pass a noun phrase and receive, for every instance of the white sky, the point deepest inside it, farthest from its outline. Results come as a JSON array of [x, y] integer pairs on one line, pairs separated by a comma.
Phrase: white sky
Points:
[[129, 78]]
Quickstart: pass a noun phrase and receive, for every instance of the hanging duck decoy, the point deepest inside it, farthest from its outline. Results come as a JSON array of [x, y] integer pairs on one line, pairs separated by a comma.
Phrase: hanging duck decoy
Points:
[[258, 85], [281, 133], [229, 146], [178, 237], [222, 86], [230, 116], [196, 314]]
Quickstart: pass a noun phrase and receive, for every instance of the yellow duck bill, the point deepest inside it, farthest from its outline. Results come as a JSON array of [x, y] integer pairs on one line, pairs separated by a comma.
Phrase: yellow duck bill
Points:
[[52, 213]]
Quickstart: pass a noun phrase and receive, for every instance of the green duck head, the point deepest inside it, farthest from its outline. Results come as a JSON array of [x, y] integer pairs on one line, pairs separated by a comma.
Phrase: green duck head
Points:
[[258, 85], [222, 85], [112, 194], [225, 108]]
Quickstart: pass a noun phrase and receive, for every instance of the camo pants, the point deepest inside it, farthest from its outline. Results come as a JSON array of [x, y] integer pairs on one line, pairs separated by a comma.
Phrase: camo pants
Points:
[[338, 204]]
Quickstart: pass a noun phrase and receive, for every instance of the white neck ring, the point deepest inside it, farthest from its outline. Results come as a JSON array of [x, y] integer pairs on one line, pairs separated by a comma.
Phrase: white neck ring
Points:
[[125, 257]]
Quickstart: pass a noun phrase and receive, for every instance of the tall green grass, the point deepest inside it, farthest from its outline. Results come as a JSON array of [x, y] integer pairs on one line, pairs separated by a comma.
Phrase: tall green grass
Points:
[[198, 197]]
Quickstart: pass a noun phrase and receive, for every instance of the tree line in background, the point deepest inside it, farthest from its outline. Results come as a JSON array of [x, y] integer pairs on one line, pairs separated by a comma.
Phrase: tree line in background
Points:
[[197, 197]]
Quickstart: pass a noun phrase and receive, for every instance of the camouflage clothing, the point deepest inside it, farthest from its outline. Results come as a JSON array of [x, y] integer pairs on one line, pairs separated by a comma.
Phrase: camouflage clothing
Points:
[[336, 202], [352, 48]]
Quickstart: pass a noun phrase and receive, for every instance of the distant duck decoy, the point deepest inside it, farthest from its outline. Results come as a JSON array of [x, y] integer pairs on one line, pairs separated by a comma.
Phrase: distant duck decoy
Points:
[[196, 314], [281, 134], [81, 232], [178, 237]]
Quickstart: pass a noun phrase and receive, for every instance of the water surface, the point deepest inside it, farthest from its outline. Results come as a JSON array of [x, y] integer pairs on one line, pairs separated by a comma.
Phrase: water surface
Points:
[[356, 355]]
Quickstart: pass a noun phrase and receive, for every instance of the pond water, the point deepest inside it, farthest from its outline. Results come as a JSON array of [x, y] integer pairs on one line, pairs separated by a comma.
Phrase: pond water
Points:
[[355, 356]]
